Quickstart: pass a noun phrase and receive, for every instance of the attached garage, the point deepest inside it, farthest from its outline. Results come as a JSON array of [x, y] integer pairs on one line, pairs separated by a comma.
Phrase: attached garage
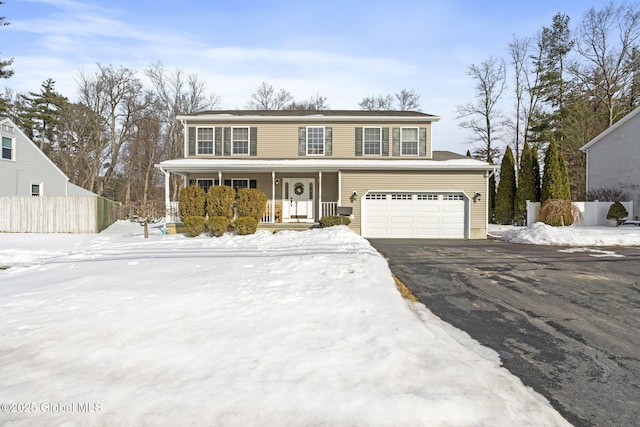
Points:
[[411, 214]]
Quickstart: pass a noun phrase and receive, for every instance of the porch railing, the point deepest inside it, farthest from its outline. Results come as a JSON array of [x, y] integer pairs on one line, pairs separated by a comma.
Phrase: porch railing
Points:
[[173, 214], [328, 209]]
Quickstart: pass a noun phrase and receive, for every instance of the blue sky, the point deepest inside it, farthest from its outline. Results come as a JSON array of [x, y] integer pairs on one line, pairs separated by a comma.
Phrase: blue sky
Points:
[[343, 50]]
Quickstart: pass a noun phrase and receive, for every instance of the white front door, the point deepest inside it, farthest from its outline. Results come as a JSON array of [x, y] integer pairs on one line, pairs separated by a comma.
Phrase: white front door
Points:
[[298, 200]]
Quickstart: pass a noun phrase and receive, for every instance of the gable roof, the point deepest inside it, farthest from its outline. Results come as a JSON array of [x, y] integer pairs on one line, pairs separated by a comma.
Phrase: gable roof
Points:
[[336, 115], [611, 129]]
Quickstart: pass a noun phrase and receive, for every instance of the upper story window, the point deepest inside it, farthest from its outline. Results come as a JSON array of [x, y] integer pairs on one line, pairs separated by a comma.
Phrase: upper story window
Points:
[[240, 140], [7, 148], [204, 140], [372, 141], [315, 140], [35, 189], [409, 141]]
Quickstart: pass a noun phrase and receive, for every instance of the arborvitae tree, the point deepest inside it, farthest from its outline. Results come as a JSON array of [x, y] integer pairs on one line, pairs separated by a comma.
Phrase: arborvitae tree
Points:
[[536, 175], [491, 197], [553, 179], [192, 202], [505, 195], [526, 189], [468, 153], [566, 185]]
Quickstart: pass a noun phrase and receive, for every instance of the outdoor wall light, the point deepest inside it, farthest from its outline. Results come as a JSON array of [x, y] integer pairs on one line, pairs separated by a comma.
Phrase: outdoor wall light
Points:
[[277, 181], [354, 196], [476, 197]]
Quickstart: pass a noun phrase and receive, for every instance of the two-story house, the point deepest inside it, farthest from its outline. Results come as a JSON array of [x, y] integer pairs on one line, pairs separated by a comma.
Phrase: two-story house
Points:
[[377, 164]]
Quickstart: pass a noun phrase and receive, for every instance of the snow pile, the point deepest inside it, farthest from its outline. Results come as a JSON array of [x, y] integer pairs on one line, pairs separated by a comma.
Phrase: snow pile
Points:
[[293, 328], [542, 234]]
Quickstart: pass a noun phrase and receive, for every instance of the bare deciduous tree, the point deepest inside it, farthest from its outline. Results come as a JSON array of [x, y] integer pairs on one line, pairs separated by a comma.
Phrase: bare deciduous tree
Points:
[[408, 100], [377, 103], [314, 103], [267, 98], [482, 116]]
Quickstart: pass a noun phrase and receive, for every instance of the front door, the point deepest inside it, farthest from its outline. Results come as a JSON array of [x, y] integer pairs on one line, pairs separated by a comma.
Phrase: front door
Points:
[[298, 200]]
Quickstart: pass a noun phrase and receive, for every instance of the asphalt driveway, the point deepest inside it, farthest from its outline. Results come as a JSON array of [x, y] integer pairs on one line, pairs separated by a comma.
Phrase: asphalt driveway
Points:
[[566, 321]]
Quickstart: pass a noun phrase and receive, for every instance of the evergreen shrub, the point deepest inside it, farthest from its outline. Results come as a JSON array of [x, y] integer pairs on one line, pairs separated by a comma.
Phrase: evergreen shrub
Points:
[[192, 200], [617, 211], [218, 225], [251, 202], [559, 212], [194, 225], [331, 220], [245, 225], [220, 201]]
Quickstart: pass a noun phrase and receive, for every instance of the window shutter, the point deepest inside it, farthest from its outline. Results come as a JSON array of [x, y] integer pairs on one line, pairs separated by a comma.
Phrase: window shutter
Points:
[[218, 138], [328, 141], [253, 142], [358, 141], [422, 142], [192, 141], [227, 141], [253, 183], [385, 141], [302, 141], [396, 142]]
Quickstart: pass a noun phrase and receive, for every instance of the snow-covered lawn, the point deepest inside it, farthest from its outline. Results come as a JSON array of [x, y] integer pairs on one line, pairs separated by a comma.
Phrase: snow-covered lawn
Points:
[[286, 329], [542, 234]]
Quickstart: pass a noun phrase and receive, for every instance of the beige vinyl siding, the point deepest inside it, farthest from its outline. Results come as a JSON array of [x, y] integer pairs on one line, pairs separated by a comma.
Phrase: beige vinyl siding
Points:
[[279, 140], [468, 182]]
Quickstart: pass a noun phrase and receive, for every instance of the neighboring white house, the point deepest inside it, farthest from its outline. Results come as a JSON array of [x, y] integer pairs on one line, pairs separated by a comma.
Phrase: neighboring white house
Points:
[[26, 171], [36, 196], [613, 159]]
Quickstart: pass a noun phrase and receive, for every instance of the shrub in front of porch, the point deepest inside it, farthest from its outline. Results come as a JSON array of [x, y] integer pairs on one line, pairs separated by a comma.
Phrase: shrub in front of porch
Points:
[[192, 200], [218, 225], [251, 202], [245, 225], [194, 225], [331, 220], [220, 200]]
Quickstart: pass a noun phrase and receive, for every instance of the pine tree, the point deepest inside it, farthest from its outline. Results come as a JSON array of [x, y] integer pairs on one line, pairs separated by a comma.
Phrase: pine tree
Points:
[[468, 153], [554, 179], [505, 195], [526, 189], [42, 116]]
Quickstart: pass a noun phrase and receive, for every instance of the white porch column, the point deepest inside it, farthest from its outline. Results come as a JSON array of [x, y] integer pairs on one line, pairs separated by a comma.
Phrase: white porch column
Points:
[[320, 194], [167, 198], [219, 177], [273, 197], [339, 188]]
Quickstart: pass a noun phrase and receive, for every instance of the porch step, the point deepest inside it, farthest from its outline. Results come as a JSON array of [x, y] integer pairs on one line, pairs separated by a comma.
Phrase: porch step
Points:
[[295, 226]]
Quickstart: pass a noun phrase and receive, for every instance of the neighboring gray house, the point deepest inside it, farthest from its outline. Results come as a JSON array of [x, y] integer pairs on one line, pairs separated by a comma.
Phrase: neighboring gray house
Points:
[[36, 196], [26, 171], [613, 159]]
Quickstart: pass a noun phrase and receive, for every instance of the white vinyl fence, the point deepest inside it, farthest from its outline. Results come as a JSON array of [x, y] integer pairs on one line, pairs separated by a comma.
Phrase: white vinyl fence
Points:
[[593, 213], [55, 214]]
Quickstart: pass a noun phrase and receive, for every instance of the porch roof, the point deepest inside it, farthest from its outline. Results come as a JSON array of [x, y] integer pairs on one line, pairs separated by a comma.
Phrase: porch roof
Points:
[[187, 166]]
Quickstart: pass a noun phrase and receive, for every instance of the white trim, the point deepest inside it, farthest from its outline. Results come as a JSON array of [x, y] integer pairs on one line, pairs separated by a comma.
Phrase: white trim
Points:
[[225, 118], [324, 141], [233, 153], [379, 141], [417, 141]]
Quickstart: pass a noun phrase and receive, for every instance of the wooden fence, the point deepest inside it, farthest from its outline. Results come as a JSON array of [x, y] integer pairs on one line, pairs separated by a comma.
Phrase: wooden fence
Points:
[[56, 214]]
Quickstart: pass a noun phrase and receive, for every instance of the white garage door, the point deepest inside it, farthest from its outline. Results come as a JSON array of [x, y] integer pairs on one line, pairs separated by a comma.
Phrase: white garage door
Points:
[[413, 215]]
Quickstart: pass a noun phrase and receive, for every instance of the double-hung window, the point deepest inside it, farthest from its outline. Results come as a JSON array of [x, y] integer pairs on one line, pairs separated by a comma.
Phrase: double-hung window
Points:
[[240, 140], [35, 190], [205, 184], [204, 140], [372, 141], [409, 141], [315, 140], [7, 148]]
